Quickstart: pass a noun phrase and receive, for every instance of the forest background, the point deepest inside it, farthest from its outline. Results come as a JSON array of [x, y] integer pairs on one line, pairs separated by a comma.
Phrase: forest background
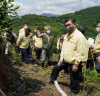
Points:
[[87, 18]]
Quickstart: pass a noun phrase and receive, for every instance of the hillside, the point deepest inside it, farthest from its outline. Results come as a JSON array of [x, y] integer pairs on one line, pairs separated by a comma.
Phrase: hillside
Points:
[[49, 15], [24, 79], [88, 18], [21, 79]]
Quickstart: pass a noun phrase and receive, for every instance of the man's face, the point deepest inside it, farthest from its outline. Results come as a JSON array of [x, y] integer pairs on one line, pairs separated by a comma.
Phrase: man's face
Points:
[[38, 31], [25, 25], [27, 33], [47, 29], [10, 31], [61, 40], [98, 26], [64, 34], [70, 24]]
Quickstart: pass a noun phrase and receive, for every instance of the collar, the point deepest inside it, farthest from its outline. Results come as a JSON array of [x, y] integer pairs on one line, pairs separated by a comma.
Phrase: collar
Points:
[[72, 34], [98, 34], [49, 35]]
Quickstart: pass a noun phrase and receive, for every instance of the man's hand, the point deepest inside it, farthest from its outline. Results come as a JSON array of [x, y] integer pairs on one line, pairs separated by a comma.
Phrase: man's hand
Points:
[[98, 59], [33, 47], [35, 30], [92, 54], [60, 62], [91, 46], [58, 49], [83, 64], [74, 68]]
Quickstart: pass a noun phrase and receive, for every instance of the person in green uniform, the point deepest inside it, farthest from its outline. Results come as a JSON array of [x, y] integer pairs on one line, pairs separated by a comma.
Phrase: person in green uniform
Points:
[[47, 42]]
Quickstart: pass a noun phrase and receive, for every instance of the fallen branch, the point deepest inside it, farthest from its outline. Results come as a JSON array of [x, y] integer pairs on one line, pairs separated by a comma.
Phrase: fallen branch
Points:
[[27, 72], [2, 93], [20, 87], [59, 89]]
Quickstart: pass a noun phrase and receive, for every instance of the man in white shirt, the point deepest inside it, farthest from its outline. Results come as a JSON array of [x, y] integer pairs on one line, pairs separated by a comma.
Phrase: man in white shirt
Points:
[[25, 26]]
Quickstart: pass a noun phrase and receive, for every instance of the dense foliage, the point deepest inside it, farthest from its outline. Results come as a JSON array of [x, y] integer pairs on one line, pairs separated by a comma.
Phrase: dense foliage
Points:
[[88, 18], [7, 12]]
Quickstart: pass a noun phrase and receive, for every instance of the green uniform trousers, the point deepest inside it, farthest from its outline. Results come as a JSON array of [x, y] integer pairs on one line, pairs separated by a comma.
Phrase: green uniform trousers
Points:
[[46, 53]]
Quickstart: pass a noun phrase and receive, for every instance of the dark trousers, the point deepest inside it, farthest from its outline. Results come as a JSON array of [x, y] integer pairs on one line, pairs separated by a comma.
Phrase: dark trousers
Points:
[[38, 53], [74, 76], [80, 72], [29, 50], [90, 64], [25, 55], [65, 70], [97, 64], [59, 54], [74, 79]]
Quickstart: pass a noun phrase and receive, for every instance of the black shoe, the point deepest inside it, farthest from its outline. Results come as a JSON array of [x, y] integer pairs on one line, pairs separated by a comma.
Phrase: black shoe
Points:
[[71, 93], [38, 60], [50, 82], [37, 63], [42, 64]]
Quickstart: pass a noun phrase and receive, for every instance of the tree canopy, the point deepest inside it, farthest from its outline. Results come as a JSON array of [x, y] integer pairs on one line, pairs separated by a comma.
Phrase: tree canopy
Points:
[[7, 12]]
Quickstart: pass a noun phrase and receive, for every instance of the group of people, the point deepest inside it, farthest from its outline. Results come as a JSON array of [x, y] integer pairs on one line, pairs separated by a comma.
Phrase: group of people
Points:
[[74, 50], [25, 42]]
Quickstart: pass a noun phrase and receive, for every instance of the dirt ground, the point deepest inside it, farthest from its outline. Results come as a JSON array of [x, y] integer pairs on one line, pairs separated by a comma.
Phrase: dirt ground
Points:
[[29, 79]]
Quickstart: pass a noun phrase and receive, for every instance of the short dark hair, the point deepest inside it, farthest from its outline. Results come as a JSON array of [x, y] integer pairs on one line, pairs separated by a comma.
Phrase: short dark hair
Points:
[[27, 30], [64, 33], [10, 29], [62, 38], [38, 29], [24, 24], [72, 19], [81, 29]]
